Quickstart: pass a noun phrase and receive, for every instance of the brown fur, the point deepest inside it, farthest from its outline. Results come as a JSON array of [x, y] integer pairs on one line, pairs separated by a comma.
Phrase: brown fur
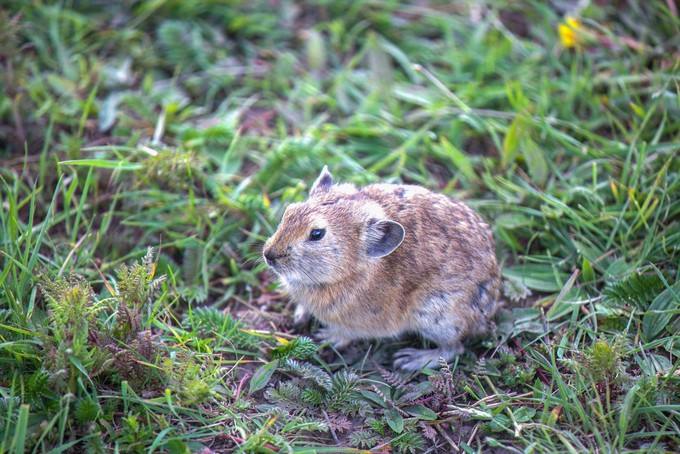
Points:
[[442, 281]]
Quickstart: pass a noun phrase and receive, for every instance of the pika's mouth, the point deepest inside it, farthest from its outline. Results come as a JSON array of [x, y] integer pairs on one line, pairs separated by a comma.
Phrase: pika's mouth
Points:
[[284, 271], [273, 260]]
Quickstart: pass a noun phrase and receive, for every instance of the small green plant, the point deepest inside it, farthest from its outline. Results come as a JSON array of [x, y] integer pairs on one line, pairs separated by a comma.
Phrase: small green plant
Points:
[[636, 289], [134, 289], [190, 376], [364, 439], [299, 348], [72, 312], [603, 361], [409, 442], [135, 434]]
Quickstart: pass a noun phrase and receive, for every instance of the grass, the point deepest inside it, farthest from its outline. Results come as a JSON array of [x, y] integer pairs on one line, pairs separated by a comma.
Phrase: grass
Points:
[[147, 149]]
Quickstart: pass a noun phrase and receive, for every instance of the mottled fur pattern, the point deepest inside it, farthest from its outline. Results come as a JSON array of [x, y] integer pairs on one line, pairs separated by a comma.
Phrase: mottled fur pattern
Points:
[[438, 276]]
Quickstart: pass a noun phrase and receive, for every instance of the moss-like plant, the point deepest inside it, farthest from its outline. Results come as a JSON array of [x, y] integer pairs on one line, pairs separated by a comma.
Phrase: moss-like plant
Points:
[[71, 309], [135, 287], [603, 361]]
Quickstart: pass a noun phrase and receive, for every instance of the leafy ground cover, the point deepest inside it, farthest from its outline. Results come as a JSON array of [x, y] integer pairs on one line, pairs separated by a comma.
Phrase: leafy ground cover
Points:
[[148, 148]]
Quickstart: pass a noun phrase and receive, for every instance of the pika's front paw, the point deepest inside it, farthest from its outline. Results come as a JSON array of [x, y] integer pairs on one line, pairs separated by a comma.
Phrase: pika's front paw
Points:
[[301, 317], [333, 337]]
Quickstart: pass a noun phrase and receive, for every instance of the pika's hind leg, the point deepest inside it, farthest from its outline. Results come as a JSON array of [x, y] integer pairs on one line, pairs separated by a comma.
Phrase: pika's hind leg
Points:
[[439, 320], [414, 359]]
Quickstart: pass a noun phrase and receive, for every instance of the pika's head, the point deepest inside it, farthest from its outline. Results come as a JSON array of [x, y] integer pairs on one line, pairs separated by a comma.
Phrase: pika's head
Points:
[[334, 233]]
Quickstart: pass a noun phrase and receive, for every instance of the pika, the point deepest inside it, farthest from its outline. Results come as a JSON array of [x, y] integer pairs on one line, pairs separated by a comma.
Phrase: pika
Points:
[[384, 260]]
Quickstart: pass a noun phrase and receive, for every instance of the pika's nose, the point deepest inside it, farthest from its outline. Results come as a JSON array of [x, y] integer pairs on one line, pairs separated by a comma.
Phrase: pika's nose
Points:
[[270, 257]]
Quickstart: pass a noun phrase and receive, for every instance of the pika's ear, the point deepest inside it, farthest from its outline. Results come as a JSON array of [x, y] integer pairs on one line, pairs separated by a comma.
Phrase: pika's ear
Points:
[[383, 237], [323, 183]]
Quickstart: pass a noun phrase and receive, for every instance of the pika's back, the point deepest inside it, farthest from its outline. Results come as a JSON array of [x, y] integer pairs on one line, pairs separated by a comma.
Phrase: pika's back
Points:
[[439, 230]]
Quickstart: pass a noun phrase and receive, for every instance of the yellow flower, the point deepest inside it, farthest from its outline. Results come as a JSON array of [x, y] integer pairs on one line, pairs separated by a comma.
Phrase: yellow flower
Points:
[[571, 32], [282, 340]]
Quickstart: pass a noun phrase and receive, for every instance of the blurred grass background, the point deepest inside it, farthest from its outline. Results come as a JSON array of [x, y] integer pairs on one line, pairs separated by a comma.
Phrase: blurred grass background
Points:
[[188, 127]]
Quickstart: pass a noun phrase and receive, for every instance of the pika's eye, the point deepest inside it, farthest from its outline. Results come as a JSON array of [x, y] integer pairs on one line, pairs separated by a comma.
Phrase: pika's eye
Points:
[[316, 234]]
